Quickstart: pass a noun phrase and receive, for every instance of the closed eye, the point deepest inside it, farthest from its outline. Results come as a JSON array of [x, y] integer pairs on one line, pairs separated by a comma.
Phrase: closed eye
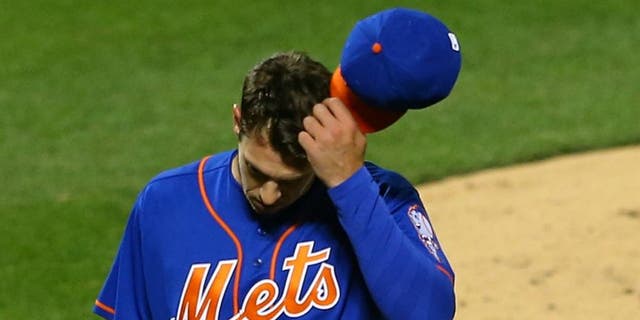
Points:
[[261, 176], [255, 173]]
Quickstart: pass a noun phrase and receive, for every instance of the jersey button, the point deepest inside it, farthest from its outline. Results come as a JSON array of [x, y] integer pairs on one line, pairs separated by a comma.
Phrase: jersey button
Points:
[[262, 232], [257, 262]]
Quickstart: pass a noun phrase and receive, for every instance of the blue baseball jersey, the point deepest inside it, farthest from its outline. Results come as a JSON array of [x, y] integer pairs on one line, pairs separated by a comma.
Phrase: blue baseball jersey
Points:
[[194, 250]]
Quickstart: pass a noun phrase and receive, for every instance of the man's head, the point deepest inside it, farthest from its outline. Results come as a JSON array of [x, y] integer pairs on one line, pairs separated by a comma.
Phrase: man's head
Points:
[[277, 95]]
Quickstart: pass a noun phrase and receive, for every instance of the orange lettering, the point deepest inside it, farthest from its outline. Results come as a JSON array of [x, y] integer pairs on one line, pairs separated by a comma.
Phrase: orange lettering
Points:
[[295, 305], [197, 304], [261, 302], [257, 302], [325, 287]]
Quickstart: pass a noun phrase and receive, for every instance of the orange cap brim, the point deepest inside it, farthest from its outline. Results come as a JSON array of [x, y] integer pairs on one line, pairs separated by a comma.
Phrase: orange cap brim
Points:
[[369, 119]]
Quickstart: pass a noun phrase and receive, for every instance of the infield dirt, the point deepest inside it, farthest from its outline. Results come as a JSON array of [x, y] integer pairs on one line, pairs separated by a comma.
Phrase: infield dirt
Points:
[[556, 239]]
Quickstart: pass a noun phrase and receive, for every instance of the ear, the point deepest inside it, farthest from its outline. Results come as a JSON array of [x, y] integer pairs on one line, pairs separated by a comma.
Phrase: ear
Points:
[[236, 119]]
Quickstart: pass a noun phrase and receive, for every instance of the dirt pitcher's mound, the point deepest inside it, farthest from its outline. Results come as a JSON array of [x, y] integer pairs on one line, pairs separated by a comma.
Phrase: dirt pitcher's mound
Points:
[[557, 239]]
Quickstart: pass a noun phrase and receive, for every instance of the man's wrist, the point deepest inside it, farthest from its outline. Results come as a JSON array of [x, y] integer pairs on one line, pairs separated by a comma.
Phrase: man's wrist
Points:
[[345, 187]]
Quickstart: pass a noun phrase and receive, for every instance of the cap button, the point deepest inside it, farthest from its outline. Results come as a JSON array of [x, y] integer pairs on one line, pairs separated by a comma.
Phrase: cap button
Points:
[[376, 48]]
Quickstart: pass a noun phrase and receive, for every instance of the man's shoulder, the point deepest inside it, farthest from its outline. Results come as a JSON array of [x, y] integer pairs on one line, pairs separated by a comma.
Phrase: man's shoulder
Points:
[[182, 181], [392, 184], [214, 162]]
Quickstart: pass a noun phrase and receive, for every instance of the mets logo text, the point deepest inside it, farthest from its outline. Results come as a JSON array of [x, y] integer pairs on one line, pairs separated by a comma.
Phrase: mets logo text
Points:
[[202, 300]]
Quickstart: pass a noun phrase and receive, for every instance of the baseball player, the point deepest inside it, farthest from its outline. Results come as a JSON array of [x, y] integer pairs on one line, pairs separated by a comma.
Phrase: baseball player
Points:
[[291, 224]]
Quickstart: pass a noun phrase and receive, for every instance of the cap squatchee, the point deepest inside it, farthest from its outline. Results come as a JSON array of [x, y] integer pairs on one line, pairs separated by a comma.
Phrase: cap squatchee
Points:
[[392, 61]]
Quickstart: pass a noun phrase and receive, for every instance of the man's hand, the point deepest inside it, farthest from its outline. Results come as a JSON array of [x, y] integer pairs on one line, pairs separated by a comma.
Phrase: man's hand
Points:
[[335, 146]]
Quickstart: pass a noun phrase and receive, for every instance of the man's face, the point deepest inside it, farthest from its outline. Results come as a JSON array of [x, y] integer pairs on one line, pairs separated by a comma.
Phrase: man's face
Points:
[[268, 183]]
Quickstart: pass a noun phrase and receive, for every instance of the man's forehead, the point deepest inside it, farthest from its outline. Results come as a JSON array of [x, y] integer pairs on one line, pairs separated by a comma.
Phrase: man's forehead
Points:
[[259, 154]]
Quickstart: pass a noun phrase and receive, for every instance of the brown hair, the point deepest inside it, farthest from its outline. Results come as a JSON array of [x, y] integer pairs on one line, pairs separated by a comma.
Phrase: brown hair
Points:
[[277, 94]]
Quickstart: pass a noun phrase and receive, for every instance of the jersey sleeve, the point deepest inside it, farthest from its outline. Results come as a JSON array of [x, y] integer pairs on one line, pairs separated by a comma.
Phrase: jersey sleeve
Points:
[[405, 270], [123, 295]]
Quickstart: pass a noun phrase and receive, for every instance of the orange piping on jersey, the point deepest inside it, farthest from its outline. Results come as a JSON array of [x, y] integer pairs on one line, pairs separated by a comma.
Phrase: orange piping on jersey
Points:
[[214, 214], [276, 251], [445, 271], [105, 307]]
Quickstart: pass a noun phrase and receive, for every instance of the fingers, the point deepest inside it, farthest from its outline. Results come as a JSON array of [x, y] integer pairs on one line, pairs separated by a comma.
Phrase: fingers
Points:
[[321, 122], [332, 112], [334, 145], [322, 113], [338, 109], [312, 126], [328, 120], [306, 141]]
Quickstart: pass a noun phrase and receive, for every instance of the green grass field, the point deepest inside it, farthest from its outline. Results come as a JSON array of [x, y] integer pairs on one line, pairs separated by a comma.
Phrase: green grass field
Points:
[[97, 97]]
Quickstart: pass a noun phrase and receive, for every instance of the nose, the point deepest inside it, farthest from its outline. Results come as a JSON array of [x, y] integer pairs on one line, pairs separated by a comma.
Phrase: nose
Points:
[[270, 193]]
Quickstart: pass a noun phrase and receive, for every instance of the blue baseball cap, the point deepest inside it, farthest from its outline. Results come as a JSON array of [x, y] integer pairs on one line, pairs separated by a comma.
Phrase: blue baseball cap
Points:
[[395, 60]]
